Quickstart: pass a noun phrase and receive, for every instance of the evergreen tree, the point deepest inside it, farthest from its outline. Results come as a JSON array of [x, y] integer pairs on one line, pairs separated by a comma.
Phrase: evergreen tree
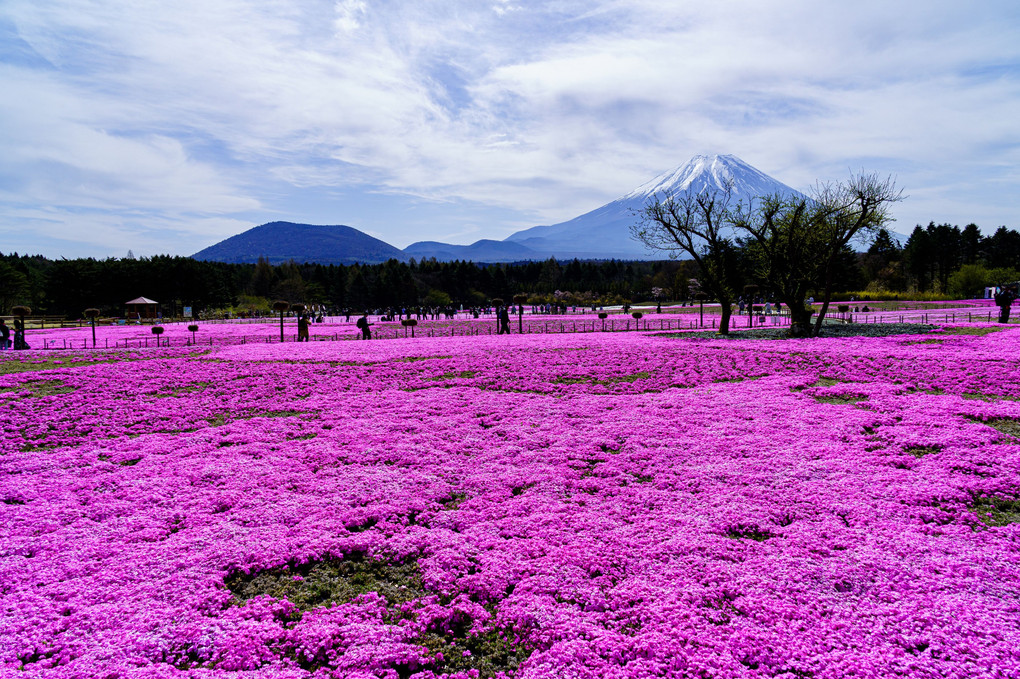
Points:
[[1002, 249], [262, 279], [917, 255], [971, 242]]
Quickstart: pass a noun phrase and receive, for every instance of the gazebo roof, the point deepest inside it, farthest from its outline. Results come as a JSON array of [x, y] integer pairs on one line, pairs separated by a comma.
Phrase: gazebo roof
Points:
[[142, 300]]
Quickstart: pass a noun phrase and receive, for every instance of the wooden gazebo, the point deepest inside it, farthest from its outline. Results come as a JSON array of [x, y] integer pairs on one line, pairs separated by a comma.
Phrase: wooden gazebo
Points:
[[142, 307]]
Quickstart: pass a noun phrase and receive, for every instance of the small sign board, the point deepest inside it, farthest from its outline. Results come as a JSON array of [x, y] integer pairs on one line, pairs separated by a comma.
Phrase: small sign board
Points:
[[187, 312]]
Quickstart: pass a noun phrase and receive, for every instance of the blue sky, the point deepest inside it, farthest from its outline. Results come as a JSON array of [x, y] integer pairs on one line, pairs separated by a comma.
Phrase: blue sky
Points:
[[165, 127]]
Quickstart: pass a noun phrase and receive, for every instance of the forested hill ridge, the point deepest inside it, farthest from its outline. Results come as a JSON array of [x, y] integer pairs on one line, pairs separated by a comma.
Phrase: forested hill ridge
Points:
[[940, 259], [281, 242]]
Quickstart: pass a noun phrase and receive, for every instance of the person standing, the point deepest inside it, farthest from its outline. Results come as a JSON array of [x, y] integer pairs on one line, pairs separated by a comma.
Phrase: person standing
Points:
[[19, 335], [504, 321], [302, 328], [1004, 300], [364, 325], [5, 334]]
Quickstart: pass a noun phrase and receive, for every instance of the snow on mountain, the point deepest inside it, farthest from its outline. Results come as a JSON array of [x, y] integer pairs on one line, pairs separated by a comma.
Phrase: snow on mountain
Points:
[[711, 173], [604, 233]]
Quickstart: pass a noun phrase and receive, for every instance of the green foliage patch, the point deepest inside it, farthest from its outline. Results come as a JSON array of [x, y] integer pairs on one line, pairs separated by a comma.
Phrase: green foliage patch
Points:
[[177, 392], [997, 511], [39, 388], [974, 396], [609, 381], [11, 366], [462, 375], [971, 330], [454, 647], [332, 581], [1007, 426], [743, 532]]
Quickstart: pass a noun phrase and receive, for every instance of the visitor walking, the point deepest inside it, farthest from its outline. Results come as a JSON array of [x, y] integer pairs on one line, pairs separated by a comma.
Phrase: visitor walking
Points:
[[364, 325], [504, 321]]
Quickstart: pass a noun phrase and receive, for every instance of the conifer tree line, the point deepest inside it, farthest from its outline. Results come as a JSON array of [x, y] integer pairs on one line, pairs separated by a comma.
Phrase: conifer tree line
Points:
[[68, 286], [946, 259], [936, 259]]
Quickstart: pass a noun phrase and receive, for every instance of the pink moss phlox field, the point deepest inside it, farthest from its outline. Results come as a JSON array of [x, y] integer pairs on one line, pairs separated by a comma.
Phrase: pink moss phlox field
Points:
[[604, 505], [236, 331]]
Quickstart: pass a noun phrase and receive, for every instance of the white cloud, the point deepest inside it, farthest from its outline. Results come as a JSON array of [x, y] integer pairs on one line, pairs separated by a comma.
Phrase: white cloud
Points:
[[211, 109], [349, 14]]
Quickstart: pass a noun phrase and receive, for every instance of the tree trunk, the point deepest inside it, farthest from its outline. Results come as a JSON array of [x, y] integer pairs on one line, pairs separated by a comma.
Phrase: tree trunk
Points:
[[800, 320], [826, 298], [724, 321], [817, 330]]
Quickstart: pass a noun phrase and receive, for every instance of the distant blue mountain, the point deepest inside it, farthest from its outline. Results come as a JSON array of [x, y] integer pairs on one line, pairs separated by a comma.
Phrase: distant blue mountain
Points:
[[479, 251], [284, 241]]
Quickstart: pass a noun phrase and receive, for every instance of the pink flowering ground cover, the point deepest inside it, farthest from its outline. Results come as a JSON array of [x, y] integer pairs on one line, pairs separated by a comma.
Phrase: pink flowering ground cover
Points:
[[267, 330], [334, 329], [538, 506]]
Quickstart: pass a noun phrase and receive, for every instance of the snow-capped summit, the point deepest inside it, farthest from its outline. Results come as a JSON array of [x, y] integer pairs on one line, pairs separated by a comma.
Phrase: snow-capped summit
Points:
[[604, 233], [711, 173]]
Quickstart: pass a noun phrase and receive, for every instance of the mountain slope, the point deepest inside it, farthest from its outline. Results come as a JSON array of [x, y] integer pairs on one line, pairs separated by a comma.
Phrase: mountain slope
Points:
[[284, 241], [604, 232], [489, 251]]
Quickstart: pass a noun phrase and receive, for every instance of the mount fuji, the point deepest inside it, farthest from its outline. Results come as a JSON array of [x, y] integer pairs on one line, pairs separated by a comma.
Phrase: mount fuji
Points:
[[604, 233]]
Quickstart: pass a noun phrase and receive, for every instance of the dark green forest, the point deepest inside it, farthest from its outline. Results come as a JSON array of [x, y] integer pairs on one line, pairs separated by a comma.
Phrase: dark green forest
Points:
[[936, 261]]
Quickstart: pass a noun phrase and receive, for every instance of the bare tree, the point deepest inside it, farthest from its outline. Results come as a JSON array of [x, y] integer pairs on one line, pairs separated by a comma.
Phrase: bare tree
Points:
[[694, 225], [783, 231], [852, 210], [797, 242]]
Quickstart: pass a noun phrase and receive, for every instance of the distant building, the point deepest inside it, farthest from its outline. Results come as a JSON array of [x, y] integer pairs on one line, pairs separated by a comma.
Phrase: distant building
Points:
[[142, 307]]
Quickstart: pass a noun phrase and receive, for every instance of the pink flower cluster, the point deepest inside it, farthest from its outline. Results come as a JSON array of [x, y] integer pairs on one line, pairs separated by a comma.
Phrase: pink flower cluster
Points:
[[620, 505]]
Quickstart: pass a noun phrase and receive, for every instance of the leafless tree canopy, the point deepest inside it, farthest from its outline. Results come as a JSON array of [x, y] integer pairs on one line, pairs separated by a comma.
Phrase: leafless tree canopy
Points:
[[795, 241], [695, 226]]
